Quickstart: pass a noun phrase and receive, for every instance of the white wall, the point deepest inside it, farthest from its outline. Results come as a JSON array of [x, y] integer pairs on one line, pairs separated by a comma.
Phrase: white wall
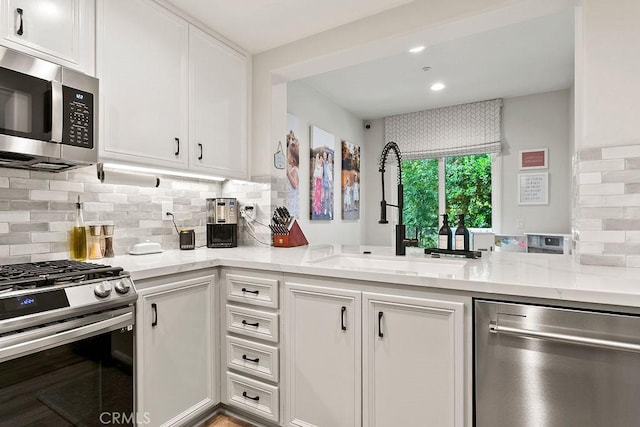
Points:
[[538, 121], [312, 108], [610, 65]]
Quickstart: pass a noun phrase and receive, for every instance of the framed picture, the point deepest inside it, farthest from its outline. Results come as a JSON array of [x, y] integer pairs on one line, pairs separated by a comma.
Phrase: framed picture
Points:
[[350, 180], [534, 159], [322, 154], [533, 188]]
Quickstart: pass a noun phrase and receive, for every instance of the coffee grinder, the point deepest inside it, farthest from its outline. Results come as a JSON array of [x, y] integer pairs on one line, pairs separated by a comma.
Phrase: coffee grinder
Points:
[[222, 223]]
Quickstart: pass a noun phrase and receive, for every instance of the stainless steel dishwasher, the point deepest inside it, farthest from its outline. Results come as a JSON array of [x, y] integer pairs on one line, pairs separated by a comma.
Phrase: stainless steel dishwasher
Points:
[[538, 366]]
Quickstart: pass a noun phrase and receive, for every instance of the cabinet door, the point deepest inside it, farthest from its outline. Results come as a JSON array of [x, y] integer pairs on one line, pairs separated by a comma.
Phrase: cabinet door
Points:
[[323, 350], [219, 106], [176, 352], [55, 28], [143, 69], [412, 362]]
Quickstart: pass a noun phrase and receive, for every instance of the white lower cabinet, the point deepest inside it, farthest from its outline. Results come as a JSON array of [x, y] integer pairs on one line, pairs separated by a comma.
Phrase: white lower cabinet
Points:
[[177, 352], [397, 360], [323, 356], [413, 362]]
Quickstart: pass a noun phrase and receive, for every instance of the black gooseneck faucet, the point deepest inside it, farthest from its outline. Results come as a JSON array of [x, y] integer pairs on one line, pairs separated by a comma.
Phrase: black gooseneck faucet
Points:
[[401, 241]]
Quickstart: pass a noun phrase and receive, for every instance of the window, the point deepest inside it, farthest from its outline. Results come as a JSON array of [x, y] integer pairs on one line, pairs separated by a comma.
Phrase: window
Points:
[[467, 187]]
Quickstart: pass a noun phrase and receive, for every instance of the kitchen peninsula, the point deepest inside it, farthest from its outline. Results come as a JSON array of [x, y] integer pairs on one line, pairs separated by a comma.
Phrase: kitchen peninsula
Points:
[[290, 330]]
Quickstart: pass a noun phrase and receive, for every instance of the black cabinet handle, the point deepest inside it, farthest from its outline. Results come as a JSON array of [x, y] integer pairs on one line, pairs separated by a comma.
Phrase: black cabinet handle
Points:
[[154, 310], [256, 360], [342, 311], [200, 145], [251, 292], [244, 394], [21, 28], [177, 153], [244, 322], [380, 334]]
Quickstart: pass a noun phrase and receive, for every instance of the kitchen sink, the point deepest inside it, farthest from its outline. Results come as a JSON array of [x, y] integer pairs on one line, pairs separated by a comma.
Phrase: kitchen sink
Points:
[[414, 266]]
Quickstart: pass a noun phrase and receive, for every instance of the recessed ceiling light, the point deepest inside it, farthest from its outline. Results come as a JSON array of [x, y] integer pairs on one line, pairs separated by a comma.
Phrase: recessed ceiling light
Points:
[[416, 49], [437, 86]]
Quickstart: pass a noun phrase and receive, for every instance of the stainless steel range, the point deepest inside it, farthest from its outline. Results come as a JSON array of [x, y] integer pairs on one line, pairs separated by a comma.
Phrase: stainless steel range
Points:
[[66, 344]]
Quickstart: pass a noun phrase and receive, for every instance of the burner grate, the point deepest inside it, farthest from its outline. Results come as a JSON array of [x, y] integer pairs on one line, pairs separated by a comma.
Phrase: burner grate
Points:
[[47, 273]]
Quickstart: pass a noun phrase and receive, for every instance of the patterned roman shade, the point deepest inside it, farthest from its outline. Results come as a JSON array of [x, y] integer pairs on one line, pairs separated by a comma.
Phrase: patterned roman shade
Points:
[[449, 131]]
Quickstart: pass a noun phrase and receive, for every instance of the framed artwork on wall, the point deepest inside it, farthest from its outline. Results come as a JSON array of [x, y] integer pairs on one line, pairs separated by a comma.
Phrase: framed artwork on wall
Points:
[[322, 154], [533, 188], [350, 180], [292, 167], [534, 159]]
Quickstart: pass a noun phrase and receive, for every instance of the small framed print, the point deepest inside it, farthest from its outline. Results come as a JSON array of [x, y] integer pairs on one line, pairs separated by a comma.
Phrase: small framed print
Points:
[[533, 188], [534, 159]]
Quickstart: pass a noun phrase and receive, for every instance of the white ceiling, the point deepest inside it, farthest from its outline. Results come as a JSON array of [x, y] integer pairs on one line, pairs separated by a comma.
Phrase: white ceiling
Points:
[[260, 25], [531, 57]]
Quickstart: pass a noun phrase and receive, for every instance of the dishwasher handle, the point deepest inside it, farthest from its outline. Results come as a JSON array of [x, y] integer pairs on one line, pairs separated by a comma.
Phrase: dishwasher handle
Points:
[[494, 328]]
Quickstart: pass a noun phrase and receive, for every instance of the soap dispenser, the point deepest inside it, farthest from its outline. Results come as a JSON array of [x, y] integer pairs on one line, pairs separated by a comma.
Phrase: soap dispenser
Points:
[[462, 235], [444, 235]]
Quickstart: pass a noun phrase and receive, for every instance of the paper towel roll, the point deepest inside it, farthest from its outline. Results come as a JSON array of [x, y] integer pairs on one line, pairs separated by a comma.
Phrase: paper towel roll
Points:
[[124, 178]]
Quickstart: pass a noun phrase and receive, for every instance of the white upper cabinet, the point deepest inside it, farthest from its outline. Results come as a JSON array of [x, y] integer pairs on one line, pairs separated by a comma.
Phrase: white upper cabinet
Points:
[[219, 106], [143, 70], [61, 31], [172, 96]]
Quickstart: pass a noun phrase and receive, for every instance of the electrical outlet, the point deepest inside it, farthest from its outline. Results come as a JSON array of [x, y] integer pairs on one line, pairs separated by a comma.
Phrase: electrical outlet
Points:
[[521, 223], [167, 206], [248, 212]]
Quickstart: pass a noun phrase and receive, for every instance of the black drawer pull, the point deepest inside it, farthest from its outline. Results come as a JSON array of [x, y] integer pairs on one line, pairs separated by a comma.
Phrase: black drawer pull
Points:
[[200, 156], [380, 334], [249, 291], [21, 29], [342, 311], [256, 360], [177, 153], [244, 322], [244, 394]]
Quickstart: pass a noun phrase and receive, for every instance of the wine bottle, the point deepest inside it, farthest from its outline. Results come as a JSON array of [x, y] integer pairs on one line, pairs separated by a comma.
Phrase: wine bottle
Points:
[[462, 235], [444, 235]]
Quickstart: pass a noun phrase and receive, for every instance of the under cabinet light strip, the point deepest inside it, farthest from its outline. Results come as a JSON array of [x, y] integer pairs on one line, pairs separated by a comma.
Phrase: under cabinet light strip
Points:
[[117, 166]]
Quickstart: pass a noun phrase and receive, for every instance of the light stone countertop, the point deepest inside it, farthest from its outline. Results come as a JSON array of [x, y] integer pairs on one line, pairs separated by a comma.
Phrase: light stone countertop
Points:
[[545, 276]]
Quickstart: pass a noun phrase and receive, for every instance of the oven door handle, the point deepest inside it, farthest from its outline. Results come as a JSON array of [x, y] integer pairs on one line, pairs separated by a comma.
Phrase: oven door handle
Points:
[[65, 337]]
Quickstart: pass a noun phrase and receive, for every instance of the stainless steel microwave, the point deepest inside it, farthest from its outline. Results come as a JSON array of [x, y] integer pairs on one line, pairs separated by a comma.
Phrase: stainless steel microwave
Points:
[[48, 114]]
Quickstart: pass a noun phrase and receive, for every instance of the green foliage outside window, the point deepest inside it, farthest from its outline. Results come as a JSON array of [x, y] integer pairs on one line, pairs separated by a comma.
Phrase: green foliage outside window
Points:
[[468, 191]]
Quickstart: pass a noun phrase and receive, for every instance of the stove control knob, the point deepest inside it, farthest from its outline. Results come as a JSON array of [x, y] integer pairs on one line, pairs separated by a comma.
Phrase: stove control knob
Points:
[[102, 290], [122, 286]]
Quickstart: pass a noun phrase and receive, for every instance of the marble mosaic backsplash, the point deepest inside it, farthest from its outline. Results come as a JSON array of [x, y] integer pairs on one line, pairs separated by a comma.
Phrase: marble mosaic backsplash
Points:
[[37, 210], [607, 206]]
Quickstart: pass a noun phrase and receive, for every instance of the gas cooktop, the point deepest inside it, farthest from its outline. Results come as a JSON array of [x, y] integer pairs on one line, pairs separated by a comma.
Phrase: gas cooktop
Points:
[[52, 273]]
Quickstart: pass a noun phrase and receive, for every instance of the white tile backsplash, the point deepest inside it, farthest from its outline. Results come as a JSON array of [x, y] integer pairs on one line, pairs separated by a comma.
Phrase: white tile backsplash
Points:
[[607, 216]]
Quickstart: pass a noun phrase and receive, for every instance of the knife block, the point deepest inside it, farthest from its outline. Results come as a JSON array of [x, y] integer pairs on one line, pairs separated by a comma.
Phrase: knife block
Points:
[[295, 237]]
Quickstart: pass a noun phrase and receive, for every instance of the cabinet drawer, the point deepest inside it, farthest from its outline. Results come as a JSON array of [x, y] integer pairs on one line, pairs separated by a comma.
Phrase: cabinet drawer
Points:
[[252, 323], [252, 290], [253, 358], [253, 396]]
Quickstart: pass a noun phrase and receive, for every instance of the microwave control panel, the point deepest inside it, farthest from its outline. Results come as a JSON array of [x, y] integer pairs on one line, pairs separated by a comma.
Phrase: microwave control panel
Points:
[[77, 126]]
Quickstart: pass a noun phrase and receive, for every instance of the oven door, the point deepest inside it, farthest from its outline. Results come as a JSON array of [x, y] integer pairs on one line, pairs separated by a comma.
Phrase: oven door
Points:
[[77, 372]]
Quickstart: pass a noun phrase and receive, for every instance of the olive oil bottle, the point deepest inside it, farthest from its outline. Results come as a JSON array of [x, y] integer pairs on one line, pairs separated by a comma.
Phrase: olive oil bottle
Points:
[[78, 242]]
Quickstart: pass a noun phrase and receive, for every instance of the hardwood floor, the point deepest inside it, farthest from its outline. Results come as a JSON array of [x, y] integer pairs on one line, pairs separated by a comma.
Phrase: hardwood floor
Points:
[[227, 421]]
